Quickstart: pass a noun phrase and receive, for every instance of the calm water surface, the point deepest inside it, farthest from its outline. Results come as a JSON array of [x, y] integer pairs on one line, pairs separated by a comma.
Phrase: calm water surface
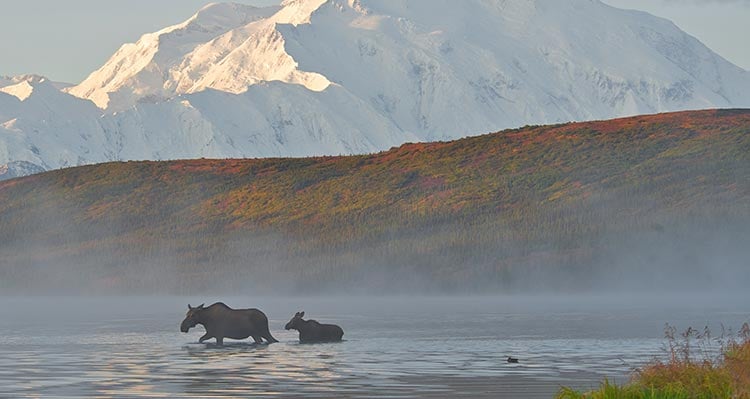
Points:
[[396, 348]]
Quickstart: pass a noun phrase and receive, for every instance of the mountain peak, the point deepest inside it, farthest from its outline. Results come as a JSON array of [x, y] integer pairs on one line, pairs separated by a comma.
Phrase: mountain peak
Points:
[[216, 17], [322, 77], [21, 90], [297, 12], [30, 77], [224, 46], [23, 86]]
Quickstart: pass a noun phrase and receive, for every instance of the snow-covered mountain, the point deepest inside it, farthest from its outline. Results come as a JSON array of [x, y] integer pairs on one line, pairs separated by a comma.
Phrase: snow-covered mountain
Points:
[[315, 77]]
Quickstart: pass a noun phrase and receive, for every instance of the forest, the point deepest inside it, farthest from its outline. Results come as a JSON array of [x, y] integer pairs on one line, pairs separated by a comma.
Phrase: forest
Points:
[[649, 202]]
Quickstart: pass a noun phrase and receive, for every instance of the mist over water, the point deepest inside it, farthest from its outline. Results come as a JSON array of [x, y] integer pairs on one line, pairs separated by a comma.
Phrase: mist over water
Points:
[[398, 346], [661, 217], [577, 290], [701, 260], [568, 322]]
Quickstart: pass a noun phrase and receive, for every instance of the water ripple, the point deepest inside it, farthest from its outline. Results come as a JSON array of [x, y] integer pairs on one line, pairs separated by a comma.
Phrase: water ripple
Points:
[[121, 351]]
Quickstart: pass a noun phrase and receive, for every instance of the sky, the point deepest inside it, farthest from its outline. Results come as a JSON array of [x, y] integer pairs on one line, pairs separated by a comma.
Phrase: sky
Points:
[[67, 40]]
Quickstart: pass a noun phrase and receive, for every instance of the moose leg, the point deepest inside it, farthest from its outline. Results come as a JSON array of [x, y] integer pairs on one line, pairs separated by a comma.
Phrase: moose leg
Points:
[[269, 338], [220, 341], [258, 340], [204, 337]]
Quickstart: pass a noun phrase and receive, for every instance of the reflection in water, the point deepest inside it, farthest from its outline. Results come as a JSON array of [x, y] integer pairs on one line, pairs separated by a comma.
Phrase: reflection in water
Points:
[[420, 348]]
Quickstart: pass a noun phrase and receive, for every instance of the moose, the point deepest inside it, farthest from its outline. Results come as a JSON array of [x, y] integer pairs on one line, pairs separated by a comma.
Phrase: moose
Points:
[[221, 321], [310, 331]]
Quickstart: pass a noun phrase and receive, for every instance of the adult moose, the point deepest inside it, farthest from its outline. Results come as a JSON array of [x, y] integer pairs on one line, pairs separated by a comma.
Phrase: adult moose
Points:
[[310, 331], [221, 322]]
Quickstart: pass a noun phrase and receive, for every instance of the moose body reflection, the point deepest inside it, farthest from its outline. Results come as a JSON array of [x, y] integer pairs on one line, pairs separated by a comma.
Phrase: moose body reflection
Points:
[[310, 331], [221, 322]]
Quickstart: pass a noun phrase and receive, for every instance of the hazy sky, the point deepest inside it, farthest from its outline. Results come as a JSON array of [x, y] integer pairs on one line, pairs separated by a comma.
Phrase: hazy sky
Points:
[[67, 40]]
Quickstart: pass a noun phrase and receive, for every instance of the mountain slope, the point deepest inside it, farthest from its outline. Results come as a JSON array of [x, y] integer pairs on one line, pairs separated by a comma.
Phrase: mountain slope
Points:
[[44, 127], [648, 201], [50, 129], [327, 77], [136, 70], [494, 54]]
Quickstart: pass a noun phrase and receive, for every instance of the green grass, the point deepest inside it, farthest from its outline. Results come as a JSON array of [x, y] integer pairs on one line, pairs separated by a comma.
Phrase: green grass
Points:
[[612, 391]]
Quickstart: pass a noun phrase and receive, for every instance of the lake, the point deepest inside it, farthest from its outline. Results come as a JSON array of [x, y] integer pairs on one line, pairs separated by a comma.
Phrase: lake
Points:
[[397, 347]]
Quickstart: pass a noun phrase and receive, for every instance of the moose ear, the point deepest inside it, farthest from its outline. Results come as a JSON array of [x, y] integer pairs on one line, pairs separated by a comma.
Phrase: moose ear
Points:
[[190, 307], [201, 307], [302, 314]]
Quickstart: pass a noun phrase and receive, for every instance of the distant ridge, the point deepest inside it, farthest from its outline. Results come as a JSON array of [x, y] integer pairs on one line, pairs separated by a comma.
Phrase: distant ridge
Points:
[[656, 201]]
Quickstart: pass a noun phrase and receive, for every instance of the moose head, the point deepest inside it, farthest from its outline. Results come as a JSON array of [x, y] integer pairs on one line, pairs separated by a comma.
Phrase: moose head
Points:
[[192, 318], [296, 321]]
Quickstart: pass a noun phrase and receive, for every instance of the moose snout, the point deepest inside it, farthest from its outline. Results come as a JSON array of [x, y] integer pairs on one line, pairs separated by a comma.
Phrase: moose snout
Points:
[[184, 327]]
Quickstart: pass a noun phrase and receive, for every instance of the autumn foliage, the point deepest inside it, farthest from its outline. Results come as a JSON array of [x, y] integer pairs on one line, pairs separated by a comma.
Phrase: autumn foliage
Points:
[[467, 213]]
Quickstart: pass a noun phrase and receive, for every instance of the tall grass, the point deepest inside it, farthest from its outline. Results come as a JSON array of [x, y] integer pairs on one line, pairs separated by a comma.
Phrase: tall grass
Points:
[[612, 391], [698, 366]]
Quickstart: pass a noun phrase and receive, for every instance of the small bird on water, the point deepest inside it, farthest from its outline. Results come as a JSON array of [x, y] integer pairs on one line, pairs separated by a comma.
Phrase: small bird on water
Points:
[[512, 360]]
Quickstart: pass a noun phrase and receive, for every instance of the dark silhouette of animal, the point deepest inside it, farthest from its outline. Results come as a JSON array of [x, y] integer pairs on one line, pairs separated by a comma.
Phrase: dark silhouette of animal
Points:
[[512, 360], [310, 331], [221, 322]]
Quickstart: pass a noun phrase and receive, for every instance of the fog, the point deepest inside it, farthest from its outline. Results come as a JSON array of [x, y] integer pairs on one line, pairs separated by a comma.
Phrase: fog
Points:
[[426, 311], [441, 260], [638, 241], [396, 346]]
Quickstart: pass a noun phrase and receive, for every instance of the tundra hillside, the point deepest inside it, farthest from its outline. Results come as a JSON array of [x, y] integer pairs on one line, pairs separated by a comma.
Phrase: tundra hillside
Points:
[[650, 201]]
